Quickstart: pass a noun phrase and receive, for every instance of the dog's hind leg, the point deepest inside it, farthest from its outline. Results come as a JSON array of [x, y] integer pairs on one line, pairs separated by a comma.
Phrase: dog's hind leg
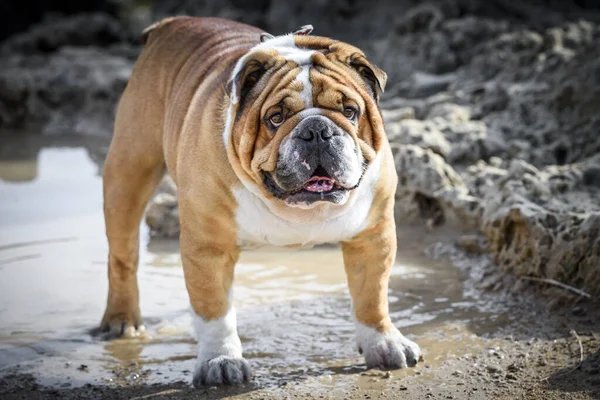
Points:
[[133, 168]]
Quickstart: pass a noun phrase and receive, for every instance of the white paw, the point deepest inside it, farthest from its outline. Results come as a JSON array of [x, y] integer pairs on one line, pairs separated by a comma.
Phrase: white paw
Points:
[[223, 370], [220, 360], [389, 350]]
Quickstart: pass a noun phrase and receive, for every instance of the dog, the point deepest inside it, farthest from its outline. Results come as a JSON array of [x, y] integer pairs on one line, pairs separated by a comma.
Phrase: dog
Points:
[[271, 140]]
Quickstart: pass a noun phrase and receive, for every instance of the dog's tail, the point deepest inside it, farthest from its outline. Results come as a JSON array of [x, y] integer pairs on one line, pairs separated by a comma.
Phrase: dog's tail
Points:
[[155, 26]]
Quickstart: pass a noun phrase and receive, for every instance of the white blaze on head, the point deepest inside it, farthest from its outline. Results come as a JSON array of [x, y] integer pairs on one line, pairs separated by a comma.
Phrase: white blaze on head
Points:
[[304, 78]]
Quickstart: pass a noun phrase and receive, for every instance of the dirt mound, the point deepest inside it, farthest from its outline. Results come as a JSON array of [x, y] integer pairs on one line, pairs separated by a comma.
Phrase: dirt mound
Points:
[[522, 100], [65, 75]]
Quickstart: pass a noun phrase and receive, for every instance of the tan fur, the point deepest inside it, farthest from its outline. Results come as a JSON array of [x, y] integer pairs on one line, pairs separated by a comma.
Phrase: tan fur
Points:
[[171, 117]]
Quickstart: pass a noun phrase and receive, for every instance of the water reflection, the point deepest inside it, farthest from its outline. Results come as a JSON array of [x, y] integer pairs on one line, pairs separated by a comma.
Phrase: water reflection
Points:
[[20, 152]]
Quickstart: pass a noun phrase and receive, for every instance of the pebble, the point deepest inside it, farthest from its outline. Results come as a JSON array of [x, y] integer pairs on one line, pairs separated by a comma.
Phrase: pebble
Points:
[[578, 311], [513, 367], [542, 362], [472, 244], [493, 369]]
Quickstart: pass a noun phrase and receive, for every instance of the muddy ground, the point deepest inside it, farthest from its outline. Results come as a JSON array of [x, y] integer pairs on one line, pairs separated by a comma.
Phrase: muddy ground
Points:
[[293, 309]]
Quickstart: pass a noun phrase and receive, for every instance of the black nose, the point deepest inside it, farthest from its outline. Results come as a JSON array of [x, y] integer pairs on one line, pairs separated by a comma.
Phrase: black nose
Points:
[[316, 130]]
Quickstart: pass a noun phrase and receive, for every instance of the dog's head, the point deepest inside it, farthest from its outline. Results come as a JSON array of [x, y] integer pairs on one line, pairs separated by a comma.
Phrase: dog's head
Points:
[[303, 124]]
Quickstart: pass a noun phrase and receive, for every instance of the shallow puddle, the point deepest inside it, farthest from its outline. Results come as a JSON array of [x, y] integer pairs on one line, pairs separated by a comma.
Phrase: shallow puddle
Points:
[[293, 306]]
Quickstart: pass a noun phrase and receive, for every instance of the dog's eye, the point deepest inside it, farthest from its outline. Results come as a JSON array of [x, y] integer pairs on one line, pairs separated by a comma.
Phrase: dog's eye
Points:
[[350, 112], [276, 119]]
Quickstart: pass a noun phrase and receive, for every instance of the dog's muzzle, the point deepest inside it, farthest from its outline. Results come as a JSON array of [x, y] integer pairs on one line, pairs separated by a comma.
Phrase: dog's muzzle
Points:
[[318, 161]]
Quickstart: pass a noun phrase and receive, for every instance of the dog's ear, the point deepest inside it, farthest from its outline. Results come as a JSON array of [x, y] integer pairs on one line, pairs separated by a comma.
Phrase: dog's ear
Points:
[[371, 74], [304, 30], [245, 79], [266, 36]]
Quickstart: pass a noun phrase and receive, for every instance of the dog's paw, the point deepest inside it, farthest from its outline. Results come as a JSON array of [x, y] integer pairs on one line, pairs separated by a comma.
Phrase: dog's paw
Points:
[[122, 324], [389, 350], [222, 370]]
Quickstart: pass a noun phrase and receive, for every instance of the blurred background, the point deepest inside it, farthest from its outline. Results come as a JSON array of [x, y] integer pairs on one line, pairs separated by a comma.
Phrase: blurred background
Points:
[[491, 109]]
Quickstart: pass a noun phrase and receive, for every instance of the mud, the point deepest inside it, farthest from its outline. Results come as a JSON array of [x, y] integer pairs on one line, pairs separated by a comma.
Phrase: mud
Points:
[[293, 308]]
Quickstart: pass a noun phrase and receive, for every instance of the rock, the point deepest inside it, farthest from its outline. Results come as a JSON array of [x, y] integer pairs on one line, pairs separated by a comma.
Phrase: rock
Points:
[[449, 112], [71, 91], [65, 75], [449, 132], [514, 368], [422, 84], [425, 184], [421, 133], [162, 214], [579, 311], [472, 244], [493, 369], [94, 29], [398, 114], [423, 17], [17, 16], [546, 223], [470, 142]]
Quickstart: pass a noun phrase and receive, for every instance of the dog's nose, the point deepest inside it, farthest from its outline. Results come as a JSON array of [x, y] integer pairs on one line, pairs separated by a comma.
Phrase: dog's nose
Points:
[[316, 130]]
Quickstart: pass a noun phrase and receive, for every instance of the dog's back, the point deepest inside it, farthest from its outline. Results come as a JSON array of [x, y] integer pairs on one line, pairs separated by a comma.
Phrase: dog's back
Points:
[[185, 62]]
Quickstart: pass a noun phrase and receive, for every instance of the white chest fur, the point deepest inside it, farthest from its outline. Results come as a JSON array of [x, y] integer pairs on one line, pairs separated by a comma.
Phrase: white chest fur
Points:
[[258, 226]]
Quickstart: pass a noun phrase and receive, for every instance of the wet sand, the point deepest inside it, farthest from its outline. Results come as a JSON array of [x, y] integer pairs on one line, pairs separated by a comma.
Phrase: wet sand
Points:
[[293, 309]]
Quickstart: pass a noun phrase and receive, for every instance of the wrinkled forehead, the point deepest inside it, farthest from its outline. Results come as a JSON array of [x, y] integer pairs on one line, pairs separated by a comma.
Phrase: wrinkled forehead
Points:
[[301, 50], [281, 46]]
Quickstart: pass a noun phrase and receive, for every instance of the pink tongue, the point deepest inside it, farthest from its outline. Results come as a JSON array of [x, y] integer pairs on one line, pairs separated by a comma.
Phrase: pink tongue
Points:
[[323, 185]]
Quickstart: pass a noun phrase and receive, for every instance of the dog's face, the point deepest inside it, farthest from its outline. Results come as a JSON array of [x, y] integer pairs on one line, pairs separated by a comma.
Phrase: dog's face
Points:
[[304, 123]]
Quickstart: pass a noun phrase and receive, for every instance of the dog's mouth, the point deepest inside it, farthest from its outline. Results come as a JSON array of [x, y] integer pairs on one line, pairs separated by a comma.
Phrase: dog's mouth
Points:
[[320, 186], [319, 182]]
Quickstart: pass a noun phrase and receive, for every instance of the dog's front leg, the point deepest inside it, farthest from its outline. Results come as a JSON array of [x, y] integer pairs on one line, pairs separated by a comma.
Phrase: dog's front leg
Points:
[[368, 259], [209, 258]]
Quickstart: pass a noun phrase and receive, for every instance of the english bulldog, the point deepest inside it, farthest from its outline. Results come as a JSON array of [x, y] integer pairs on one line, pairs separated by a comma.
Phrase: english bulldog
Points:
[[271, 140]]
